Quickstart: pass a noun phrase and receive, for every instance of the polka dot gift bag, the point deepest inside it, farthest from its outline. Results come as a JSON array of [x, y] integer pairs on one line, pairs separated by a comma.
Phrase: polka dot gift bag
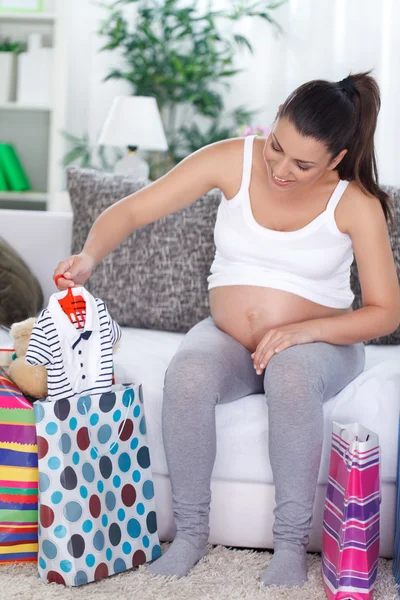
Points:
[[96, 496]]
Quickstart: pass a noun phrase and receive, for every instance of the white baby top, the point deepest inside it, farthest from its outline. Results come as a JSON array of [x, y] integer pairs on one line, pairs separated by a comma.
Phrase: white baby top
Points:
[[312, 262], [77, 361]]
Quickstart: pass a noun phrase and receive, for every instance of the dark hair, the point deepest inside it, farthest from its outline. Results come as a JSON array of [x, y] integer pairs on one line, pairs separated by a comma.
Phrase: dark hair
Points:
[[343, 115]]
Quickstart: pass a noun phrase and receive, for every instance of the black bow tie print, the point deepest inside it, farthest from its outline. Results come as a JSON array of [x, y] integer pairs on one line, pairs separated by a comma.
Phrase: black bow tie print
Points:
[[84, 336]]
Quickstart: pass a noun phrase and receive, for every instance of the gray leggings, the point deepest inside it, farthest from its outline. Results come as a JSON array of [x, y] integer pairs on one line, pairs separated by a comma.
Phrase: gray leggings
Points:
[[211, 367]]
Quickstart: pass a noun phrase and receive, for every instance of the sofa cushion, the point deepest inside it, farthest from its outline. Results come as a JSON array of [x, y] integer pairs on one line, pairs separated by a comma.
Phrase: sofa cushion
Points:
[[394, 234], [157, 278], [371, 399], [20, 293]]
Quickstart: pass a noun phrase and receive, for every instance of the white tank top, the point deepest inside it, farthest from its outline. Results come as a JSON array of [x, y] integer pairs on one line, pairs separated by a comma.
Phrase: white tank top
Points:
[[312, 262]]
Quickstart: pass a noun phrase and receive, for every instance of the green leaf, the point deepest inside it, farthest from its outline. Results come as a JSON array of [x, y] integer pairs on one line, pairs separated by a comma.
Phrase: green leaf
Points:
[[242, 41]]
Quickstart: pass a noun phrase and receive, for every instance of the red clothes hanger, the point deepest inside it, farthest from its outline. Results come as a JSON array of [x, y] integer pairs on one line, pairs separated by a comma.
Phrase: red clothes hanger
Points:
[[73, 306]]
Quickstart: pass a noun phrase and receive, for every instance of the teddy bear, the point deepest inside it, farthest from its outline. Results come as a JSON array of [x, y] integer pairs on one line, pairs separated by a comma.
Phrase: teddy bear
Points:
[[31, 380]]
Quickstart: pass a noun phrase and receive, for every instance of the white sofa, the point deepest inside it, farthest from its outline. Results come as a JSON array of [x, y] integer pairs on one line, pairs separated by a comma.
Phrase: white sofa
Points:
[[242, 484]]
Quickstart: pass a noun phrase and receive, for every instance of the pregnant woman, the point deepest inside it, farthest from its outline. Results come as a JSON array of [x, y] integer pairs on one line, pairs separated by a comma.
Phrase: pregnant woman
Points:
[[296, 208]]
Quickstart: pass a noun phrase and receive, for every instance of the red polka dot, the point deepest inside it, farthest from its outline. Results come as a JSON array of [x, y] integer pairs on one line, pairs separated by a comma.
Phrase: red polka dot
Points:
[[101, 572], [95, 506], [46, 516], [82, 439], [126, 432], [139, 558], [128, 495], [54, 577], [43, 447]]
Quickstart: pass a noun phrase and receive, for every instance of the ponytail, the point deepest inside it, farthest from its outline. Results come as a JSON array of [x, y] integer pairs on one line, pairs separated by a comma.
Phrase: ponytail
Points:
[[343, 115]]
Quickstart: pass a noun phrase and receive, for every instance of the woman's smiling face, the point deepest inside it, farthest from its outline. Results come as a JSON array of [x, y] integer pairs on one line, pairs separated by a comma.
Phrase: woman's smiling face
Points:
[[295, 161]]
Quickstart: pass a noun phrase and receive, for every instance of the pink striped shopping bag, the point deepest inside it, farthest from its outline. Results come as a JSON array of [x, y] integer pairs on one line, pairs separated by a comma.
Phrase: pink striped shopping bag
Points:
[[350, 546]]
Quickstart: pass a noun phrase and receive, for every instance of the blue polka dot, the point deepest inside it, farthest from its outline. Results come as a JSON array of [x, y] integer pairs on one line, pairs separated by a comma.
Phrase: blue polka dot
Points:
[[117, 481], [51, 428], [140, 509], [44, 482], [110, 501], [73, 424], [124, 462], [126, 548], [108, 554], [94, 453], [136, 476], [119, 565], [134, 528], [84, 401], [148, 489], [104, 520], [90, 560], [121, 514], [72, 511], [128, 397], [42, 563], [94, 419], [146, 541], [81, 578], [134, 443], [156, 552], [114, 448], [64, 443], [98, 540], [117, 416], [136, 411], [84, 491], [66, 566], [100, 486], [142, 426], [75, 458], [49, 549], [60, 531], [87, 526], [88, 472], [56, 497], [104, 433], [54, 463], [39, 412]]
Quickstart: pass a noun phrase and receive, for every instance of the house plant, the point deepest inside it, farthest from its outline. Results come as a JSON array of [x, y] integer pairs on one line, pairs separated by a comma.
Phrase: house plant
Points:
[[184, 57]]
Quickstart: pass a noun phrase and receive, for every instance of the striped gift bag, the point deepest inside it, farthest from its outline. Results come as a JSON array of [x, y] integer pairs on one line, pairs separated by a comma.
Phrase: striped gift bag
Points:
[[396, 550], [18, 476], [350, 545]]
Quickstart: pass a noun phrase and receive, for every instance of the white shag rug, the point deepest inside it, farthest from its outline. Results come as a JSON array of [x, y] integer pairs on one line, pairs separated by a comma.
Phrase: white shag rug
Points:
[[224, 574]]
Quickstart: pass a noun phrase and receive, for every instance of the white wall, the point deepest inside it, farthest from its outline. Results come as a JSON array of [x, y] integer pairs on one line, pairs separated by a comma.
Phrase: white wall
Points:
[[322, 39]]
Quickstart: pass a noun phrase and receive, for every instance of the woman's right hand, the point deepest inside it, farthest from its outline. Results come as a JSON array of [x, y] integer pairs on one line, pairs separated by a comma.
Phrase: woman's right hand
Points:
[[75, 270]]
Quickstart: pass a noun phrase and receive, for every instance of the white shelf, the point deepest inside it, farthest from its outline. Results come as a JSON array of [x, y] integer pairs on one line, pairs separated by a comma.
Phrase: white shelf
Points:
[[28, 107], [44, 17], [24, 196]]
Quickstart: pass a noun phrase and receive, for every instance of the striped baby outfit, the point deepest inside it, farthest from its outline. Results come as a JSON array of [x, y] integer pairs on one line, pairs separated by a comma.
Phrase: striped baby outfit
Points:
[[78, 361]]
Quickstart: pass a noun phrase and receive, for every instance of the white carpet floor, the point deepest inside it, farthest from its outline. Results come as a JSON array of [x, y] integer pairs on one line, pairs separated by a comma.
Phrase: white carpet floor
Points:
[[224, 574]]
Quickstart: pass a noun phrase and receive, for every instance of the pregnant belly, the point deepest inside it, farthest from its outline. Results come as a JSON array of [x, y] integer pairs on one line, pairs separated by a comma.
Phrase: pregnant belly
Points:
[[247, 313]]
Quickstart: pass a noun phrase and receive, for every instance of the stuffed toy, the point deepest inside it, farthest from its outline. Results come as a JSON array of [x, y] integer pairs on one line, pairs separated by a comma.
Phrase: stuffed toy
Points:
[[32, 381]]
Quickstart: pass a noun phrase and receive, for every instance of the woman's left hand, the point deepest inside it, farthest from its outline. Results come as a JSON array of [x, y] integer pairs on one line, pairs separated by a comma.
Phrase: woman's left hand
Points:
[[279, 339]]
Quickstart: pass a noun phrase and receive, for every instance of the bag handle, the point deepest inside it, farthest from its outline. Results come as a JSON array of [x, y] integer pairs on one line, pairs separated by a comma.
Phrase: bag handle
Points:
[[119, 433]]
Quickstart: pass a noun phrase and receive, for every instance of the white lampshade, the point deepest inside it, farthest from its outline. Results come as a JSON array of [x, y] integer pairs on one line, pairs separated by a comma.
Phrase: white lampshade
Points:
[[134, 121]]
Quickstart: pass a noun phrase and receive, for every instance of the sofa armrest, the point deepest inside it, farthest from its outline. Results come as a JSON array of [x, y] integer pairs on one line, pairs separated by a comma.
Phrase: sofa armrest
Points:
[[41, 238]]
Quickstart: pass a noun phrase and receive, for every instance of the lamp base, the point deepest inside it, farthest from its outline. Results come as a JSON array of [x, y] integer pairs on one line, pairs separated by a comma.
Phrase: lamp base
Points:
[[131, 164]]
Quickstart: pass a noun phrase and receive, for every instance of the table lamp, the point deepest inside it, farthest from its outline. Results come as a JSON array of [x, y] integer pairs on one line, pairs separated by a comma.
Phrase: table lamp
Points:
[[133, 122]]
